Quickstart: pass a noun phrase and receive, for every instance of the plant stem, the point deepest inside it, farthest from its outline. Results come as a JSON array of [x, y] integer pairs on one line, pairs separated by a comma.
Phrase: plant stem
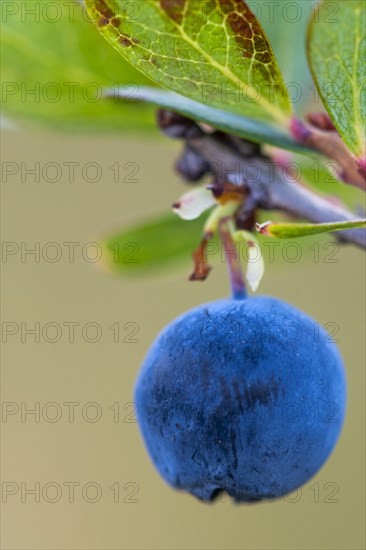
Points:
[[238, 288], [271, 189], [330, 144]]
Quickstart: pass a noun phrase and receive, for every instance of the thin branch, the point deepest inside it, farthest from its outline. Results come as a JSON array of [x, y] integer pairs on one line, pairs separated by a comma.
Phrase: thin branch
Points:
[[237, 282], [270, 188], [330, 144], [201, 268]]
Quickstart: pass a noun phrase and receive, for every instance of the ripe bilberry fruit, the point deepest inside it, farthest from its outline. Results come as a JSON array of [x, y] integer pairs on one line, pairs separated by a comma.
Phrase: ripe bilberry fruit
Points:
[[246, 396]]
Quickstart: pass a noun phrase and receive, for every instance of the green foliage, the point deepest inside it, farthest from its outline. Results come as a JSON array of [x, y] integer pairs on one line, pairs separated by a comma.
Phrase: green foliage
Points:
[[59, 56], [155, 243], [217, 59], [295, 230], [253, 130], [214, 52], [336, 53], [285, 24]]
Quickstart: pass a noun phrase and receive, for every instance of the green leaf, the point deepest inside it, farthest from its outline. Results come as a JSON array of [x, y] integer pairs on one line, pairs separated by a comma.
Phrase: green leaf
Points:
[[55, 67], [248, 128], [214, 52], [294, 230], [336, 54], [153, 244], [285, 24]]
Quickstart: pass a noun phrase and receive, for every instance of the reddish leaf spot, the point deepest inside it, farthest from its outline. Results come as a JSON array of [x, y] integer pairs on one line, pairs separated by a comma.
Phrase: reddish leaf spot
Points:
[[174, 9], [246, 29], [154, 61], [256, 28], [240, 8], [102, 7], [260, 43], [230, 6], [239, 25], [103, 21], [263, 57], [248, 45], [125, 41], [116, 21]]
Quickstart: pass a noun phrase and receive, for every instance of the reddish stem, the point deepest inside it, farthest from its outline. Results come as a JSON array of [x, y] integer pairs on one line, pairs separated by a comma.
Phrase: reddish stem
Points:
[[201, 267], [238, 288], [330, 145]]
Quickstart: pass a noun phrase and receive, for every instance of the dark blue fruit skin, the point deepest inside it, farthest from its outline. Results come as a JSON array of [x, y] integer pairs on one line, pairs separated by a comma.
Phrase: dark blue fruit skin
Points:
[[246, 396]]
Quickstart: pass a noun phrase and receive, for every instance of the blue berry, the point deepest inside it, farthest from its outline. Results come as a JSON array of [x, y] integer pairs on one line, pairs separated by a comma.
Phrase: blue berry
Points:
[[243, 396]]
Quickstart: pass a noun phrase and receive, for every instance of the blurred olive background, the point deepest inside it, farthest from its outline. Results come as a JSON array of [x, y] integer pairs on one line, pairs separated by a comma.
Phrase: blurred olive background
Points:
[[109, 451]]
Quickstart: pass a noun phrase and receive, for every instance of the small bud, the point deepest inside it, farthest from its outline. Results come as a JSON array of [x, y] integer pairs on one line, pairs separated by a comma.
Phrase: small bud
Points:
[[321, 121], [361, 162], [191, 166], [177, 126], [299, 130], [217, 188]]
